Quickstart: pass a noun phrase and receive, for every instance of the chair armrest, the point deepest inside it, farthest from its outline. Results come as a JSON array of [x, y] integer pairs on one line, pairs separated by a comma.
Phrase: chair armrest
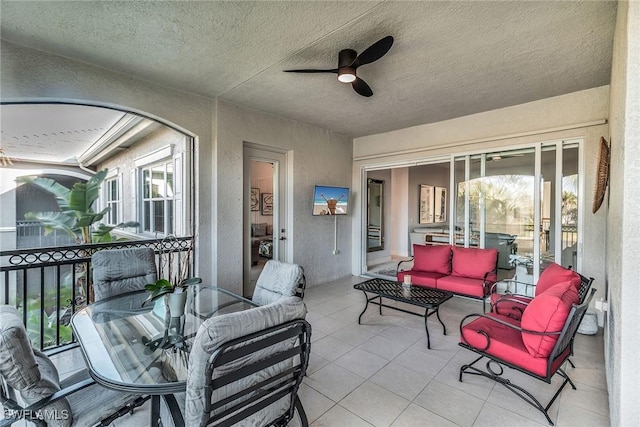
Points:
[[501, 322], [403, 261], [517, 281], [73, 388], [19, 411], [488, 285], [507, 298]]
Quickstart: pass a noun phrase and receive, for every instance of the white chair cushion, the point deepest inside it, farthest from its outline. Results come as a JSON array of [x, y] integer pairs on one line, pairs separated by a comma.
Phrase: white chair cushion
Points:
[[277, 280], [122, 270], [30, 373], [220, 329]]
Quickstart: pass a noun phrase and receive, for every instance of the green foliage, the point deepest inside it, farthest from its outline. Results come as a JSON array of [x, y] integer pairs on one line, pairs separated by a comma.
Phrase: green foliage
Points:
[[50, 320], [163, 286], [76, 216]]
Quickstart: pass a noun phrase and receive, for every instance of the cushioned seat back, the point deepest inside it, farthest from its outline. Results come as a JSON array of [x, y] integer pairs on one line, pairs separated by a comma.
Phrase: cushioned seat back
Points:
[[221, 329], [432, 258], [554, 274], [278, 280], [122, 270], [547, 312], [29, 373], [475, 263]]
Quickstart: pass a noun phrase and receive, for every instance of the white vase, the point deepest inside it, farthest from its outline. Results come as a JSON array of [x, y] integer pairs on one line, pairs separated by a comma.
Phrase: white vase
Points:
[[177, 302]]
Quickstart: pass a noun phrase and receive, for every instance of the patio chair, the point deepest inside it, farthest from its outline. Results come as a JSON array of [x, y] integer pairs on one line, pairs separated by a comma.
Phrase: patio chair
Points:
[[513, 305], [245, 368], [31, 389], [118, 271], [538, 346], [279, 280]]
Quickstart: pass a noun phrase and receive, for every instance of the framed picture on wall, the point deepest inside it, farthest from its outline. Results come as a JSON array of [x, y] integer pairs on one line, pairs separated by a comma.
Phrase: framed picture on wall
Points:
[[255, 199], [440, 204], [267, 204], [426, 204]]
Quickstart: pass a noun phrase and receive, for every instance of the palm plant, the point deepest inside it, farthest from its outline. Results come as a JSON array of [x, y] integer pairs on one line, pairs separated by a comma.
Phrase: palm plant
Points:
[[76, 216]]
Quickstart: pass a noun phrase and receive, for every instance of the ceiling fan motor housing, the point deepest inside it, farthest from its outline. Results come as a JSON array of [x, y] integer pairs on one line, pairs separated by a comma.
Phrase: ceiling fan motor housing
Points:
[[346, 73]]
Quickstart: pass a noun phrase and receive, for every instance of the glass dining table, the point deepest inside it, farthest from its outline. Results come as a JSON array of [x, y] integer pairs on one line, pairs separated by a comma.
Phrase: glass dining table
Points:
[[138, 348]]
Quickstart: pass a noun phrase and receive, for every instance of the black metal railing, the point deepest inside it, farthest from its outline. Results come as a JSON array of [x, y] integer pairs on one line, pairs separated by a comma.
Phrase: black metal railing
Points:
[[47, 285], [569, 234]]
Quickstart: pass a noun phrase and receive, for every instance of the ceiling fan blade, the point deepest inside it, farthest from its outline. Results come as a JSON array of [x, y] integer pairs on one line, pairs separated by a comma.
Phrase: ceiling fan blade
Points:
[[361, 87], [335, 70], [374, 52]]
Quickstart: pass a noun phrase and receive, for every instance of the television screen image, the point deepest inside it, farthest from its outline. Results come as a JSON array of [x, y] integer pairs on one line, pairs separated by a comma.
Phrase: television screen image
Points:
[[330, 200]]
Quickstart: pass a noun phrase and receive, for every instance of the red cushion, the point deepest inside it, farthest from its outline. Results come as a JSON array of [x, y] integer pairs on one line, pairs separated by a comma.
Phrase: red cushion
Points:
[[474, 263], [463, 285], [433, 258], [508, 305], [555, 274], [421, 278], [547, 312], [506, 344]]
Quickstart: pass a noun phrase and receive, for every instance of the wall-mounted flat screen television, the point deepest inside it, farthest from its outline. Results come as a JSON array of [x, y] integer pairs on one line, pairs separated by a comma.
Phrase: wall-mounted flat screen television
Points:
[[330, 200]]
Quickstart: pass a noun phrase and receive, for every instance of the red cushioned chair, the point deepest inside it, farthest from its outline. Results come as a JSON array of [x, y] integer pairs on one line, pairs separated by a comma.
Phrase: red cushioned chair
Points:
[[537, 345], [512, 305]]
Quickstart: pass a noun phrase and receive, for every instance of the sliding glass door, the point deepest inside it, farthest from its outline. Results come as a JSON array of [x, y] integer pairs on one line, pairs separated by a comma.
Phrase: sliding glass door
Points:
[[524, 203]]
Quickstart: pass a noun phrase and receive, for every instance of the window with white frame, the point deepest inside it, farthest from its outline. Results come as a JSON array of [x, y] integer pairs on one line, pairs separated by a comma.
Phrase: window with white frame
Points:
[[113, 200], [157, 198]]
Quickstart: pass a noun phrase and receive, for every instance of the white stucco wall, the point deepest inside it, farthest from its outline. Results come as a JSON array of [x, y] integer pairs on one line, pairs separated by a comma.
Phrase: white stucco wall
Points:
[[318, 156], [124, 163], [622, 340], [31, 75], [549, 119]]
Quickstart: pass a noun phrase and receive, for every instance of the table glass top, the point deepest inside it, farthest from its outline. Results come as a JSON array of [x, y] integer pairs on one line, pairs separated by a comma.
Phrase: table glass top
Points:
[[133, 347]]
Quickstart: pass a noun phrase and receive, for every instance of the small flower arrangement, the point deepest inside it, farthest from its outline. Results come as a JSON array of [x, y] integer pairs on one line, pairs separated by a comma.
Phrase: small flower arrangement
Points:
[[179, 282]]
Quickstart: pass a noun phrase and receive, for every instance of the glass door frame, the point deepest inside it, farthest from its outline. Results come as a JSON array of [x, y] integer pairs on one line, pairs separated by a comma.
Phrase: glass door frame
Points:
[[559, 145]]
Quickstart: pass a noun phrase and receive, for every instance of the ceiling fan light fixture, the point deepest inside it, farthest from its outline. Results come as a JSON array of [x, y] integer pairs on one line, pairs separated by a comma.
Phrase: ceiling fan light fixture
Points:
[[347, 74]]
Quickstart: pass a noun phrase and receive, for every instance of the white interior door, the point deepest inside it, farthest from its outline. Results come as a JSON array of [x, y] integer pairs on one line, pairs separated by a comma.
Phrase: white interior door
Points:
[[261, 158]]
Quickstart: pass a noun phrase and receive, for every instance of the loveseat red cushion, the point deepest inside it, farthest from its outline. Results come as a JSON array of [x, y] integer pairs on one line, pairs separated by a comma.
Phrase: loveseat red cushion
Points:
[[421, 278], [474, 263], [506, 344], [547, 312], [432, 258], [463, 285], [554, 274]]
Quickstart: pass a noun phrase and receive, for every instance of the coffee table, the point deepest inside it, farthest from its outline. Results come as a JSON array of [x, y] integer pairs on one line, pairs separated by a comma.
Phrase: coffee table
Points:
[[428, 298]]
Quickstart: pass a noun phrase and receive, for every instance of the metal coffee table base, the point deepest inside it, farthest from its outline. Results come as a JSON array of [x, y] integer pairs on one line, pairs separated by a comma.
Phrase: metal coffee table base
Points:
[[429, 299]]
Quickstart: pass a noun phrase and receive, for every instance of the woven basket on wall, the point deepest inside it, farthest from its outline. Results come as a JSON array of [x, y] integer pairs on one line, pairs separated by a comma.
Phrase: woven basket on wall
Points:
[[602, 175]]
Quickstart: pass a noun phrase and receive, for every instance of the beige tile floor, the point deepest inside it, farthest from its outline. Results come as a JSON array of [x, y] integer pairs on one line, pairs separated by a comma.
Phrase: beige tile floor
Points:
[[381, 373]]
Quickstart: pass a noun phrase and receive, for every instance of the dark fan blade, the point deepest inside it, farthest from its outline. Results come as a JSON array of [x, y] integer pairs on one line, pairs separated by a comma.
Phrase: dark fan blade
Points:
[[335, 70], [374, 52], [361, 87]]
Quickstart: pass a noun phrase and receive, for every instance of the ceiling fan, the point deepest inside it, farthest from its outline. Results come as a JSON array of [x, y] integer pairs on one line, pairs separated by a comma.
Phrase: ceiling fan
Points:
[[349, 61]]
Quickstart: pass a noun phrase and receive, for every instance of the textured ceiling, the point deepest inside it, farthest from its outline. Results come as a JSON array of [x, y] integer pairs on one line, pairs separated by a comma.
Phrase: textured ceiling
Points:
[[449, 59]]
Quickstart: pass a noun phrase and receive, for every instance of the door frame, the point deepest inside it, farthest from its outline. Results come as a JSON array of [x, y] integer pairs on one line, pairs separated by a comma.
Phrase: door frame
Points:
[[282, 218]]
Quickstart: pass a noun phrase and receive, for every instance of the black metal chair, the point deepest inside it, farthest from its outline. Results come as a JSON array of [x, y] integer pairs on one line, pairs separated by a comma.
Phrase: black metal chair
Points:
[[30, 387], [513, 304], [500, 340], [246, 368]]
